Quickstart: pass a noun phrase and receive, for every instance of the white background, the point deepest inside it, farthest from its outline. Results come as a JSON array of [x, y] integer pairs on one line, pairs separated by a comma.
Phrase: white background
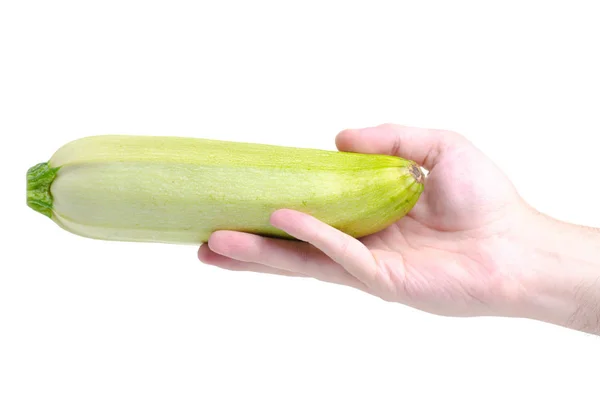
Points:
[[80, 317]]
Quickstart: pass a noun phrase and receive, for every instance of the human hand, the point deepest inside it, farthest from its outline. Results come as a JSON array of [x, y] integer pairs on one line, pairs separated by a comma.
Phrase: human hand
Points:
[[447, 256]]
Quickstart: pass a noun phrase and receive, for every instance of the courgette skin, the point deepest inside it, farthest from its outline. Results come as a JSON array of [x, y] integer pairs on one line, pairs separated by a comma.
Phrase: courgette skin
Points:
[[179, 190]]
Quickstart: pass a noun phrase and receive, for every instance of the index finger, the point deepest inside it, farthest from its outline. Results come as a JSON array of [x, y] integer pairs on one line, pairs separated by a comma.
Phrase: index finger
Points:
[[342, 248]]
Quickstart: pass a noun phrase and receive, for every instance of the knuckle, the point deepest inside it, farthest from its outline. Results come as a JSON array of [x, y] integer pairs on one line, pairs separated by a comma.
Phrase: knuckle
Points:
[[304, 254], [344, 251]]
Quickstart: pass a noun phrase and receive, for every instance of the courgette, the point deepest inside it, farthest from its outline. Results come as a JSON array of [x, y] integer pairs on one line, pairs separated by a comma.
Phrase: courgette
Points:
[[179, 190]]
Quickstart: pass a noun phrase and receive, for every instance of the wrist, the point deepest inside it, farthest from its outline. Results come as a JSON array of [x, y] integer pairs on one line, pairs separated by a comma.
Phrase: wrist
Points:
[[559, 273]]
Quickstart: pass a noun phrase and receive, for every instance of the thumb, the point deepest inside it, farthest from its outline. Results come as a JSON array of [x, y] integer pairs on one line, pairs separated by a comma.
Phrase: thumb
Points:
[[424, 146]]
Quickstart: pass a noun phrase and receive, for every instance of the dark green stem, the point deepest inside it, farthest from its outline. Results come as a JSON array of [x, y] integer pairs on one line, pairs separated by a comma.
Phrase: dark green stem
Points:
[[39, 180]]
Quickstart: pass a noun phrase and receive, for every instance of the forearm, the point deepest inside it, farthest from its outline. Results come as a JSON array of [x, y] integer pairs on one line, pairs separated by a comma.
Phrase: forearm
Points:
[[562, 280]]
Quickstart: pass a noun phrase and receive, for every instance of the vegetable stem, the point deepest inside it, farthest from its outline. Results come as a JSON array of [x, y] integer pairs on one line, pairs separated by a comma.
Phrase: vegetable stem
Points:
[[39, 180]]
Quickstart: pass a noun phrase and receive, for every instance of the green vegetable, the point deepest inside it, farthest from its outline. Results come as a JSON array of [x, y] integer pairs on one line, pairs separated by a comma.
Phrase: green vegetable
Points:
[[180, 190]]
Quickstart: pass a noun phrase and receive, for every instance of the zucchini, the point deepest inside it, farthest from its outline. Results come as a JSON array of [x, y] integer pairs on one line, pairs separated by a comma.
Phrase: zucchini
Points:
[[179, 190]]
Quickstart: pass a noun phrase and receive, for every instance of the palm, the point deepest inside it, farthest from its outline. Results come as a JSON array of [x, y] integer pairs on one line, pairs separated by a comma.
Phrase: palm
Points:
[[440, 250]]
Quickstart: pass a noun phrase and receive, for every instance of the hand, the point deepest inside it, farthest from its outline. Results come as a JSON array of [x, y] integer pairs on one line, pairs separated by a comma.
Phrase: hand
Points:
[[450, 255]]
